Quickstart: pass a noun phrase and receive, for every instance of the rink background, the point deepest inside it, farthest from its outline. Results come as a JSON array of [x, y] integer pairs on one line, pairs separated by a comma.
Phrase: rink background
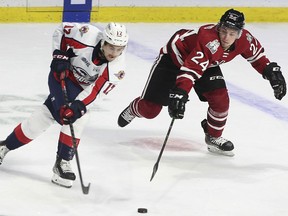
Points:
[[118, 161]]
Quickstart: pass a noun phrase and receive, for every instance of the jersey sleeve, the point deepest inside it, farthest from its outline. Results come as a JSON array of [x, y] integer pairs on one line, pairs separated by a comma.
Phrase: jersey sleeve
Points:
[[194, 66], [57, 38], [75, 35], [254, 52], [186, 51]]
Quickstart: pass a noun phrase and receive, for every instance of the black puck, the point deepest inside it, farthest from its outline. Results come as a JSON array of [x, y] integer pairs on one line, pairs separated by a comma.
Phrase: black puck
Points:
[[142, 210]]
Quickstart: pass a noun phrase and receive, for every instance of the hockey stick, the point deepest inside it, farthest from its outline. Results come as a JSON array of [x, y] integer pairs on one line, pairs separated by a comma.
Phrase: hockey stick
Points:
[[85, 189], [155, 168]]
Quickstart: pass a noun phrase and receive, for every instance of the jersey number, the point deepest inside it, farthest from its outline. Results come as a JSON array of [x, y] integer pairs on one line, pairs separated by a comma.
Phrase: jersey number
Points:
[[253, 48], [67, 29], [199, 56], [109, 88]]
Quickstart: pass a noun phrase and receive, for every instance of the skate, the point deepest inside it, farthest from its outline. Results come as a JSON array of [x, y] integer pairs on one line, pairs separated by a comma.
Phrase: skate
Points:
[[218, 145], [63, 174], [126, 117], [3, 151]]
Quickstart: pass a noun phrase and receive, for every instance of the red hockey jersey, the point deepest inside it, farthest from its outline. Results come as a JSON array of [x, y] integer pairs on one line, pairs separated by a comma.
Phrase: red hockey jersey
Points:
[[195, 50]]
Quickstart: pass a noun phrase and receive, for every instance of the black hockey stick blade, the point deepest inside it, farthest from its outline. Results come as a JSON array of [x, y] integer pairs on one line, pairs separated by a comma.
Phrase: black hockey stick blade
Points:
[[85, 189], [155, 168]]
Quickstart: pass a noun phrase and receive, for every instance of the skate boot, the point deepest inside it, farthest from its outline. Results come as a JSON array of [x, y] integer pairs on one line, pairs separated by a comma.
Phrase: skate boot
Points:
[[126, 116], [63, 174], [218, 145], [3, 151]]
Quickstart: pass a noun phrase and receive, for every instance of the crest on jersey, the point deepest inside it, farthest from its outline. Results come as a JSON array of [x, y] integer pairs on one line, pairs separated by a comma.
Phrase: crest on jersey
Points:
[[83, 30], [120, 75], [213, 46], [83, 77], [249, 37]]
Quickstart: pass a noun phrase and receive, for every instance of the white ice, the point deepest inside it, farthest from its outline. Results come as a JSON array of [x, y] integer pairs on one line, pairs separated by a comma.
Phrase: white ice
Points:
[[118, 162]]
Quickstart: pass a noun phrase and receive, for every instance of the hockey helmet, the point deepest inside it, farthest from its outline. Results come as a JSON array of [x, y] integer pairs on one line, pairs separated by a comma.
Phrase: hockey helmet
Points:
[[115, 34], [232, 19]]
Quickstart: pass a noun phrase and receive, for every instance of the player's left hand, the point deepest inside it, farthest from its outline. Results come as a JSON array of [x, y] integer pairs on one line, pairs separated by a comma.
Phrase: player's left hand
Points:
[[177, 100], [273, 73], [69, 114]]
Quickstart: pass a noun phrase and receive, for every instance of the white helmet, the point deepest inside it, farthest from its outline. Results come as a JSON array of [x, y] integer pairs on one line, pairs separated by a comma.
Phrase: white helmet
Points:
[[115, 34]]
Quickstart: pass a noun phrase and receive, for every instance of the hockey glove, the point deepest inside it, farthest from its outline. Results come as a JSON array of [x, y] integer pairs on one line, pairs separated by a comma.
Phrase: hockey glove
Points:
[[272, 72], [69, 114], [60, 63], [177, 100]]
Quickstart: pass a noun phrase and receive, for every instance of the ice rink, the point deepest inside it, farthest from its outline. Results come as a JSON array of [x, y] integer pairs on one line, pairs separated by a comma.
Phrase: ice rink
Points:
[[118, 162]]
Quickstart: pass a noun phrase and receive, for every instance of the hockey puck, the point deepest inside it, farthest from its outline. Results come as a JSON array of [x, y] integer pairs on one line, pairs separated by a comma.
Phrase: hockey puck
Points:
[[142, 210]]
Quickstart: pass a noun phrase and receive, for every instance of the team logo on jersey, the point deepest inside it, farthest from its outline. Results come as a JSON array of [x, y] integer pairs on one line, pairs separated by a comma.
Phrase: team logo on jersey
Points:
[[120, 75], [87, 63], [213, 46], [83, 30], [83, 77], [249, 37]]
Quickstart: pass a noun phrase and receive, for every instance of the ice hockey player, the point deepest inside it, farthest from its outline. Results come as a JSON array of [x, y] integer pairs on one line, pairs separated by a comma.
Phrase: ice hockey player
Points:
[[92, 62], [192, 59]]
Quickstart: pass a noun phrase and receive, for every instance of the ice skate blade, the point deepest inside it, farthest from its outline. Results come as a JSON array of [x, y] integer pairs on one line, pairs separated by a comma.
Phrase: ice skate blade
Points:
[[218, 151], [56, 179]]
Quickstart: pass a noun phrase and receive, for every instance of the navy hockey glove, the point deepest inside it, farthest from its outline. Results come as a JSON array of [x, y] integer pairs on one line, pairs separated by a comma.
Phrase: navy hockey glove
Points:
[[177, 100], [69, 114], [272, 72], [60, 63]]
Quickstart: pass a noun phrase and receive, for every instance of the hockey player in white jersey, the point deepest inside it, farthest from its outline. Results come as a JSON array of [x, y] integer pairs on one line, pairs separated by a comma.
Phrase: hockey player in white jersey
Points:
[[92, 62]]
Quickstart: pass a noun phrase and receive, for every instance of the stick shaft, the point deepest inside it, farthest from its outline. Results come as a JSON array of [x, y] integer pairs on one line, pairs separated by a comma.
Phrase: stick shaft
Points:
[[155, 168], [85, 189]]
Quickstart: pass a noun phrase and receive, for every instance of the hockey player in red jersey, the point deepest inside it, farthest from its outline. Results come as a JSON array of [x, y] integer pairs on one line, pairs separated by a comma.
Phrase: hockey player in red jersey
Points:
[[192, 59], [92, 62]]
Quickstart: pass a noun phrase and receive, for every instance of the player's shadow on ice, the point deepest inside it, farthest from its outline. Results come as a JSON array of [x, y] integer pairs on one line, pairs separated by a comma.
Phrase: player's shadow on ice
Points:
[[172, 145], [24, 174], [195, 161]]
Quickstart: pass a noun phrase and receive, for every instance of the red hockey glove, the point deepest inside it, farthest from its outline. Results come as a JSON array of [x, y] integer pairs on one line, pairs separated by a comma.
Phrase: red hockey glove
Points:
[[273, 73], [69, 114], [177, 100]]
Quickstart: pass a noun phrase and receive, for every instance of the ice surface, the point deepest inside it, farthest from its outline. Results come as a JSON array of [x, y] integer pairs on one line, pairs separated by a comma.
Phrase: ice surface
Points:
[[118, 162]]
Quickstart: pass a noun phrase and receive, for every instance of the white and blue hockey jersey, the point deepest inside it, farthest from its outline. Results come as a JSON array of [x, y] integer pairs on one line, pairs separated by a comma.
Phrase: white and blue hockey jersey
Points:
[[90, 70]]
